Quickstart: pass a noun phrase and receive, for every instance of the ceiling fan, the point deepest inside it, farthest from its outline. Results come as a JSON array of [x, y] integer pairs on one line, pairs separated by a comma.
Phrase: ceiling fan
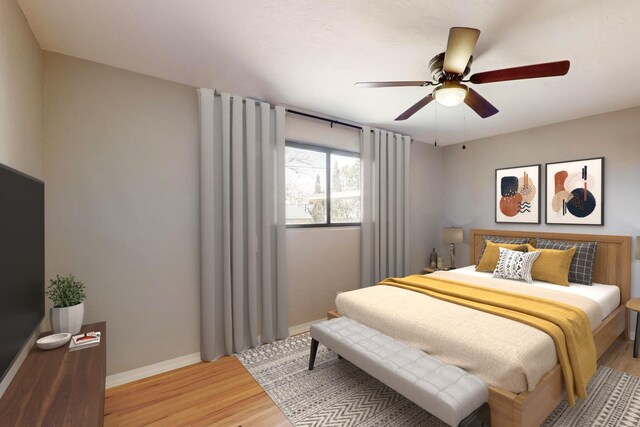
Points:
[[449, 69]]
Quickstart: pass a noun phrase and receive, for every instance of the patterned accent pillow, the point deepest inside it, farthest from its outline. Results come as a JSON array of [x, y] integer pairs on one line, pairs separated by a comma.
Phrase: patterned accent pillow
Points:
[[581, 268], [515, 265], [498, 239], [491, 254]]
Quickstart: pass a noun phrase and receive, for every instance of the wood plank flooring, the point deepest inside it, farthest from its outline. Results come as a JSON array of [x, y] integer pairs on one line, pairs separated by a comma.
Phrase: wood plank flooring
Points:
[[620, 357], [223, 393]]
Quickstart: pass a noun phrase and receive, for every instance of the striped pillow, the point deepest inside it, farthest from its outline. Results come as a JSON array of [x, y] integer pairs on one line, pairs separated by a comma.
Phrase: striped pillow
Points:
[[581, 268], [515, 265]]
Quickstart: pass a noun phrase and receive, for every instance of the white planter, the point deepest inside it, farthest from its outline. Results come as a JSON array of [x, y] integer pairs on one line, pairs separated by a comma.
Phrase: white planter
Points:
[[67, 319]]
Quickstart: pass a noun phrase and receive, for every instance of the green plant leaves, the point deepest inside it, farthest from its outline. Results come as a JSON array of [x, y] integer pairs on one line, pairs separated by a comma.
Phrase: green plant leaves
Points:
[[65, 291]]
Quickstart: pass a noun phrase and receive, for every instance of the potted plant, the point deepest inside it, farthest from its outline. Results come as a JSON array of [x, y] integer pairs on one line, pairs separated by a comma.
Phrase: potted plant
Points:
[[67, 295]]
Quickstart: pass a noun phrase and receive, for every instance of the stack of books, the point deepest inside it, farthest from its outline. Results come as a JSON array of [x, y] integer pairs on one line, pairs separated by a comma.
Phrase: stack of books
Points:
[[90, 339]]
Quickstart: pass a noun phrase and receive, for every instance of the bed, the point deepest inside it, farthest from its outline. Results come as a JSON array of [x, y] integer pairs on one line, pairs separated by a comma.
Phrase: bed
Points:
[[513, 399]]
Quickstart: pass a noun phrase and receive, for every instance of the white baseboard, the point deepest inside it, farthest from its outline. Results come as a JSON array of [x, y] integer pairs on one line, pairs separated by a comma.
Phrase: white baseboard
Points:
[[150, 370], [179, 362], [299, 329]]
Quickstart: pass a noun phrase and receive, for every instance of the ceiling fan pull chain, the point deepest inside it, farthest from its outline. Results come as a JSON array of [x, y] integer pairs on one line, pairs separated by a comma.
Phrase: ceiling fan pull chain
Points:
[[464, 131], [435, 127]]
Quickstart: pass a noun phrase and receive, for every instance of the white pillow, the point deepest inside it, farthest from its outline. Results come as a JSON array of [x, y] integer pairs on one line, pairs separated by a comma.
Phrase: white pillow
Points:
[[515, 265]]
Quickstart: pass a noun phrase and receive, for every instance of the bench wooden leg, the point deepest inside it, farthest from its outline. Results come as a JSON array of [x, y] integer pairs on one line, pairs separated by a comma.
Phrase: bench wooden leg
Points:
[[312, 355]]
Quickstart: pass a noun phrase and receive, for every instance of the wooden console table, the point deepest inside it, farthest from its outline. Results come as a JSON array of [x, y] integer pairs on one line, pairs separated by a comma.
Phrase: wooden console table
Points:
[[58, 387]]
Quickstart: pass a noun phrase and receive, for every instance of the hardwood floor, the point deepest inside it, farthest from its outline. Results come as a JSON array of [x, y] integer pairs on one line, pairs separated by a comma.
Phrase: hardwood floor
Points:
[[620, 357], [223, 393]]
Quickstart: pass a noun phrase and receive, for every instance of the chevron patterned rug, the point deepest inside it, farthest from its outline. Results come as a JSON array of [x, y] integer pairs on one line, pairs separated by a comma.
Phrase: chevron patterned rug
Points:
[[336, 393]]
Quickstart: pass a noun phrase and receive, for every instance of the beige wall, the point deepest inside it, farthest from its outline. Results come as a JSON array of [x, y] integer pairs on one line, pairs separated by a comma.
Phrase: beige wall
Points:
[[320, 261], [121, 169], [20, 106], [121, 165], [20, 93], [324, 261], [427, 191], [470, 174]]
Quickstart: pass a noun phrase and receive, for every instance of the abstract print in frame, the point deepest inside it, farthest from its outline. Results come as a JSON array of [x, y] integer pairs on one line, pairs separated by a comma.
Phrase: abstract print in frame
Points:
[[575, 192], [518, 194]]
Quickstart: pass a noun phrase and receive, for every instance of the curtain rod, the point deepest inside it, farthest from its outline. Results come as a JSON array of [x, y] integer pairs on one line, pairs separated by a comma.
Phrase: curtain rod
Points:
[[312, 116], [337, 122]]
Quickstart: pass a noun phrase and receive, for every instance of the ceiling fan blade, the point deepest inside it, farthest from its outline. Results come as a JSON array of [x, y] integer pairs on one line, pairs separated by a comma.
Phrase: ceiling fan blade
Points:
[[479, 104], [393, 84], [549, 69], [415, 108], [460, 46]]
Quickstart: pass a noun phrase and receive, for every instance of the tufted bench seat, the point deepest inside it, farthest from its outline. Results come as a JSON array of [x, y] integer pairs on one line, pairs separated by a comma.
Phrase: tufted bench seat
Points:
[[448, 392]]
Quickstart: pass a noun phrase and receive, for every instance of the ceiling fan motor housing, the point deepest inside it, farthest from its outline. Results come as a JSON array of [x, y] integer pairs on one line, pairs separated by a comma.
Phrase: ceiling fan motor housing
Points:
[[436, 64]]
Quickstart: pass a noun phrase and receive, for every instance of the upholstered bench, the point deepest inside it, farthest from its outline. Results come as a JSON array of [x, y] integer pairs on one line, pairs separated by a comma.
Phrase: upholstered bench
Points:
[[447, 392]]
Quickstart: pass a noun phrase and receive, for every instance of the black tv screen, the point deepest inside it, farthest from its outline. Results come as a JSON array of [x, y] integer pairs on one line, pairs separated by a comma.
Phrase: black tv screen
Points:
[[21, 261]]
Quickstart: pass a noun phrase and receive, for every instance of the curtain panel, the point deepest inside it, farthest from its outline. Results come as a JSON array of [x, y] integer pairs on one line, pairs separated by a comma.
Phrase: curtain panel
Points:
[[242, 224], [385, 231]]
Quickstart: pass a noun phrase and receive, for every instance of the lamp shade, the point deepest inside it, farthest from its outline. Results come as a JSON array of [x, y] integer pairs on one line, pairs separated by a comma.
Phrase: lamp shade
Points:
[[638, 247], [452, 235], [451, 93]]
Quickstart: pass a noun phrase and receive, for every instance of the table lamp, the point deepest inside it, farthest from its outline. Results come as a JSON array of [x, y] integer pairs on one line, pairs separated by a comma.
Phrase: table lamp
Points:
[[452, 235]]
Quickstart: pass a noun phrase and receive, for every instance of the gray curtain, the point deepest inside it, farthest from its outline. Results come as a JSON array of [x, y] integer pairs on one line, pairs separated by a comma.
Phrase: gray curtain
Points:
[[242, 224], [385, 231]]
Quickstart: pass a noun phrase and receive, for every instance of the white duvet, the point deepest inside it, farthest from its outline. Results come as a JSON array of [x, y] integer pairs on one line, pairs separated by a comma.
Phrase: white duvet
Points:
[[607, 296], [507, 354]]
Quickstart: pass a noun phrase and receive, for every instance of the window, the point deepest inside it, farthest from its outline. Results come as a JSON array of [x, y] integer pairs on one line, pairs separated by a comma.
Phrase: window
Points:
[[322, 186]]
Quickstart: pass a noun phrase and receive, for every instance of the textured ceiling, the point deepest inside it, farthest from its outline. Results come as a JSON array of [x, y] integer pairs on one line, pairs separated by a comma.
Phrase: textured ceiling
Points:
[[308, 53]]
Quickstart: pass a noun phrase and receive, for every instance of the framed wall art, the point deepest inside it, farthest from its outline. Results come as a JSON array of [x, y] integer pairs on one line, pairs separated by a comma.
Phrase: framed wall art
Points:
[[575, 192], [518, 195]]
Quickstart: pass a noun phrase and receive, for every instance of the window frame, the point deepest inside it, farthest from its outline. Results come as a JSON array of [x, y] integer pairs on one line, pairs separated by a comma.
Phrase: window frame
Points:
[[327, 151]]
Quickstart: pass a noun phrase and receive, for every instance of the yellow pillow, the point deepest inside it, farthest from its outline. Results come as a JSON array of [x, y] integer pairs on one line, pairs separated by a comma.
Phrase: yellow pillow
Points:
[[492, 253], [552, 265]]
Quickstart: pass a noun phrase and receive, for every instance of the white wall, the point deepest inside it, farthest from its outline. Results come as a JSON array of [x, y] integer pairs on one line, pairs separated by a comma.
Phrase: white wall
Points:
[[122, 213], [20, 108], [469, 175]]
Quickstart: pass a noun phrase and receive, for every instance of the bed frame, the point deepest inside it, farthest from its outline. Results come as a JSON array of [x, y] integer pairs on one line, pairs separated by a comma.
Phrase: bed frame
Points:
[[612, 266]]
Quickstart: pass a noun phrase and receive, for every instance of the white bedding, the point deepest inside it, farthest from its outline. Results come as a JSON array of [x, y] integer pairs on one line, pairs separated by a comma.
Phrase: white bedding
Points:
[[607, 296], [507, 354]]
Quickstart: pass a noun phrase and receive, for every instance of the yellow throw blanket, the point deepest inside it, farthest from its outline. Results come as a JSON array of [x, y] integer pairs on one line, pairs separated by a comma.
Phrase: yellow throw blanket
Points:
[[568, 326]]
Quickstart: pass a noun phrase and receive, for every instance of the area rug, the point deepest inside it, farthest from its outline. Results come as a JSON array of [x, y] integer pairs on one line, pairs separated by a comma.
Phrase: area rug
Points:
[[336, 393]]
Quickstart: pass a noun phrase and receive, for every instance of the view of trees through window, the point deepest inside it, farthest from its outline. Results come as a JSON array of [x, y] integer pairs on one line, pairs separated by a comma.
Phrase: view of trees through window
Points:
[[314, 173]]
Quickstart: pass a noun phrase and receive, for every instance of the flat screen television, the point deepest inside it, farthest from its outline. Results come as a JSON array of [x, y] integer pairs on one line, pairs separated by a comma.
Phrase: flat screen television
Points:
[[21, 262]]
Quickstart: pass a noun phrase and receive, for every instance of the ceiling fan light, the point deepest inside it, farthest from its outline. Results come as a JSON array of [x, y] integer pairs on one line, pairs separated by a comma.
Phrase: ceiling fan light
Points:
[[450, 94]]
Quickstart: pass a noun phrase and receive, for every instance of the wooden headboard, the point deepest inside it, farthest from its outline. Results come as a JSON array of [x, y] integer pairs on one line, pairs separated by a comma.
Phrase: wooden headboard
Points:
[[613, 255]]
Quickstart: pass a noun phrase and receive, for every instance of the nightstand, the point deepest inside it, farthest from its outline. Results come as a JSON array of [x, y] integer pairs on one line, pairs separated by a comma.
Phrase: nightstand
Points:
[[634, 305]]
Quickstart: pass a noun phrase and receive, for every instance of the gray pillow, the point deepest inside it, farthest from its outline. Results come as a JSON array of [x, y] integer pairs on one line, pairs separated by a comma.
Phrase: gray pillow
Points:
[[581, 268], [499, 239]]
